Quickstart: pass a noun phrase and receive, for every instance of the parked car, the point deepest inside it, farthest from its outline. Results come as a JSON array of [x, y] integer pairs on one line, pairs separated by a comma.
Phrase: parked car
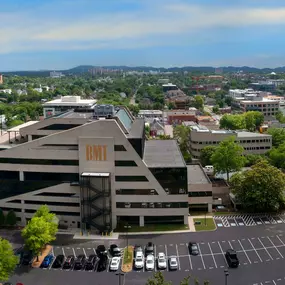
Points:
[[139, 260], [69, 262], [102, 263], [161, 261], [137, 249], [27, 257], [19, 253], [90, 262], [149, 264], [172, 263], [232, 259], [149, 249], [79, 262], [193, 248], [59, 260], [115, 250], [101, 249], [47, 261], [115, 262]]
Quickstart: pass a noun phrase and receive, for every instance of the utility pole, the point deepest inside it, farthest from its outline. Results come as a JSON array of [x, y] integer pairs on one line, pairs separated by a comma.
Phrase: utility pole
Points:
[[120, 279], [226, 276], [127, 227]]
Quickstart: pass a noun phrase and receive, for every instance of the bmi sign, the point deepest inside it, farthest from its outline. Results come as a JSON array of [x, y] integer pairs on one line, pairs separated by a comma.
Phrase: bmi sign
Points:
[[96, 152]]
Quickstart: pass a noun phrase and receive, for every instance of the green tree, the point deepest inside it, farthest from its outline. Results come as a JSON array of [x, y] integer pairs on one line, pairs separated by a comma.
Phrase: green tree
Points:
[[2, 218], [216, 109], [11, 218], [280, 117], [206, 155], [8, 260], [277, 156], [252, 159], [158, 279], [232, 122], [228, 157], [253, 120], [259, 189], [198, 102], [278, 136], [37, 234], [182, 135]]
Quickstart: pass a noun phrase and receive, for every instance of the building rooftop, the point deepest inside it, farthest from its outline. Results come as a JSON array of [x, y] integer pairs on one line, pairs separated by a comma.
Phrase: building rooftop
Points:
[[70, 101], [163, 153], [17, 128], [150, 112], [196, 175], [76, 115], [243, 134]]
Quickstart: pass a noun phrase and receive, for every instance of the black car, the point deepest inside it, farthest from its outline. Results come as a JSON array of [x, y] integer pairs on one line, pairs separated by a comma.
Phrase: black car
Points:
[[69, 262], [90, 262], [100, 250], [27, 257], [115, 250], [58, 261], [149, 249], [102, 263], [232, 259], [193, 248], [79, 262]]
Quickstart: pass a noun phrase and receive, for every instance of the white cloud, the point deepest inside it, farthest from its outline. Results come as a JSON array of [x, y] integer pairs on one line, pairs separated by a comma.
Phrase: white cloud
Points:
[[153, 25]]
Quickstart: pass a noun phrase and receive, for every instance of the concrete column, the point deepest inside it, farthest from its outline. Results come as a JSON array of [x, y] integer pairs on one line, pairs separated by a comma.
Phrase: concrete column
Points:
[[23, 221], [210, 207], [141, 221], [185, 219], [21, 177], [30, 138]]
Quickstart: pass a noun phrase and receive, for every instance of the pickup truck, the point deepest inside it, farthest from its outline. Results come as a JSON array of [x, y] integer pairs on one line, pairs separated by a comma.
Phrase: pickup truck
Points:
[[232, 259]]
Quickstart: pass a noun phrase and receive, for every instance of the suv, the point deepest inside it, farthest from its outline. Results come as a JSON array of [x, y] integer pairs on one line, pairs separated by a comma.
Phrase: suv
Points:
[[193, 248], [102, 264], [101, 250], [90, 263], [68, 262], [114, 250], [79, 262], [58, 261], [232, 259], [27, 257], [149, 249]]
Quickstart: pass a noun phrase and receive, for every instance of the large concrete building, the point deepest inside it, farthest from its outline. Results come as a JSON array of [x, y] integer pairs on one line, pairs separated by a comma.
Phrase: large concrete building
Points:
[[94, 172], [253, 143]]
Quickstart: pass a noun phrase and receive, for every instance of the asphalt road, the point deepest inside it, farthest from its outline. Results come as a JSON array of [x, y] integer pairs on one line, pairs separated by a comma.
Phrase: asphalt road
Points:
[[261, 250]]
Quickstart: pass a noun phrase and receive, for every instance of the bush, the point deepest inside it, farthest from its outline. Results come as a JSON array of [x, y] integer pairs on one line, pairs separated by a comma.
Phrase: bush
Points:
[[11, 218], [2, 218]]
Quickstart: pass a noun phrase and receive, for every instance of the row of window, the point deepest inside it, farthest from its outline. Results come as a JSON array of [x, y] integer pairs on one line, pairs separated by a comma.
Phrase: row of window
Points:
[[200, 194], [255, 141], [136, 192], [256, 148], [241, 141], [136, 178], [152, 205]]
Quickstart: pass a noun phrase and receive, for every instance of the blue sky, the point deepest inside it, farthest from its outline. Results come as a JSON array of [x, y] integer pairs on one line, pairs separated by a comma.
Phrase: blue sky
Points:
[[60, 34]]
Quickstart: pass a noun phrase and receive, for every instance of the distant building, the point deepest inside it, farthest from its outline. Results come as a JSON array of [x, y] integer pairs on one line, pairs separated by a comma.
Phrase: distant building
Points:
[[22, 92], [163, 81], [267, 86], [179, 116], [1, 79], [65, 103], [40, 90], [56, 74], [168, 87], [150, 114], [6, 91]]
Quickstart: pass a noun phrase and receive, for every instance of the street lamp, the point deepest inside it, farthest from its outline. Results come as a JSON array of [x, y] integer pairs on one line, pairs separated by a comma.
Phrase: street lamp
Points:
[[120, 275], [127, 227], [226, 276]]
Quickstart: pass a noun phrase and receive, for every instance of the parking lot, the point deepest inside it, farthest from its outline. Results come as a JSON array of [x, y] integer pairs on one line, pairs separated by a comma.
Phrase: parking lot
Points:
[[247, 220], [211, 254]]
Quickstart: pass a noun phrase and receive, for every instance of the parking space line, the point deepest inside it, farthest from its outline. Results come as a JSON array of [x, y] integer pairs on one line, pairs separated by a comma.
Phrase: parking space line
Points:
[[244, 251], [166, 256], [154, 250], [274, 282], [275, 247], [212, 255], [63, 251], [74, 252], [190, 262], [201, 256], [265, 248], [223, 253], [52, 252], [84, 252], [94, 251], [255, 250], [280, 240], [178, 260]]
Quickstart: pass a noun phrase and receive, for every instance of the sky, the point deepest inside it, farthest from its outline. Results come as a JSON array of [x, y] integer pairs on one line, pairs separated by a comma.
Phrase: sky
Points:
[[61, 34]]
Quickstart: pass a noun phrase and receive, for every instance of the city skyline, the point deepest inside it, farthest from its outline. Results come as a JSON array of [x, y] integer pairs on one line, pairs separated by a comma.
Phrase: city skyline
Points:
[[62, 34]]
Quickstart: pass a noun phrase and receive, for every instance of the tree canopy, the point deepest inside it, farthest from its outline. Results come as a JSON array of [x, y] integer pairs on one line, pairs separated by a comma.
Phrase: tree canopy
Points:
[[198, 102], [259, 189], [206, 155], [278, 136], [228, 157], [182, 135], [8, 260], [277, 156]]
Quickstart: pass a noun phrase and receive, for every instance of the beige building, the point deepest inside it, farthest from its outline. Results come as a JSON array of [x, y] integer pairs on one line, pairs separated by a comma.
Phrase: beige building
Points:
[[253, 143], [94, 173]]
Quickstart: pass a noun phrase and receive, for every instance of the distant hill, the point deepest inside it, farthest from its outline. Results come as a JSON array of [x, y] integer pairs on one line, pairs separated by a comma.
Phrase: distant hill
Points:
[[84, 68]]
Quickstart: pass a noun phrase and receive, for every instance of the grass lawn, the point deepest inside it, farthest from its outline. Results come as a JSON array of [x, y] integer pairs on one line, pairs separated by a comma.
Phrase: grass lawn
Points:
[[154, 228], [225, 213], [128, 255], [209, 226]]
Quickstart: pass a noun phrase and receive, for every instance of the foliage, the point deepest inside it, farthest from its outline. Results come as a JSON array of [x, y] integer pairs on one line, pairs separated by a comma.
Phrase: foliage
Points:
[[198, 102], [280, 117], [277, 156], [278, 136], [11, 218], [206, 154], [8, 260], [37, 234], [253, 120], [228, 157], [2, 218], [216, 109], [252, 159], [259, 189], [182, 135]]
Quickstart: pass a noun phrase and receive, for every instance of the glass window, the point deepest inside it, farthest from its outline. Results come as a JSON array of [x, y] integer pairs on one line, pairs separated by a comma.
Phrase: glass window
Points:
[[38, 161], [130, 178], [119, 148], [60, 127], [125, 163]]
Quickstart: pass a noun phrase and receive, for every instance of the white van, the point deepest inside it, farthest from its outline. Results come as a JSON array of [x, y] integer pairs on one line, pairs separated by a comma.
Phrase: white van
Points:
[[209, 169]]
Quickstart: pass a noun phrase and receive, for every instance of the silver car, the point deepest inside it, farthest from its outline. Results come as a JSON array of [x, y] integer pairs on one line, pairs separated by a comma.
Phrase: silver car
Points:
[[172, 263]]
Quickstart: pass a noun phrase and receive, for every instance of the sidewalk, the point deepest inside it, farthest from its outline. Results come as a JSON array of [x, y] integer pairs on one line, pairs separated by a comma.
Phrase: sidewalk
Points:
[[87, 236]]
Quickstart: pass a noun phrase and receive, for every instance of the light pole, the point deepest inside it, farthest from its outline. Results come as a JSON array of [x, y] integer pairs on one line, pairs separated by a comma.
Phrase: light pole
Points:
[[120, 279], [226, 276], [127, 227]]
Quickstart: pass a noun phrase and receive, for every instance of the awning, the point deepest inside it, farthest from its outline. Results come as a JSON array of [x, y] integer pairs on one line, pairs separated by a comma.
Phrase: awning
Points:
[[95, 174]]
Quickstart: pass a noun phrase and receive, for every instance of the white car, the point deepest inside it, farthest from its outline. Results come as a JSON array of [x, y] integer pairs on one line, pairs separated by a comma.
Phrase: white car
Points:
[[115, 262], [139, 260], [161, 261], [173, 264], [149, 264]]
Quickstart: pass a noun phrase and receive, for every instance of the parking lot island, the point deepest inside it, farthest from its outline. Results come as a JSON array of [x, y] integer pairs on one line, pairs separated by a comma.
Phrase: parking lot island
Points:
[[128, 258], [37, 262]]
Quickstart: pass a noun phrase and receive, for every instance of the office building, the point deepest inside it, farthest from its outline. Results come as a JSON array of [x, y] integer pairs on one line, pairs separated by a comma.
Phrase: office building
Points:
[[150, 114], [94, 172], [65, 103], [179, 116]]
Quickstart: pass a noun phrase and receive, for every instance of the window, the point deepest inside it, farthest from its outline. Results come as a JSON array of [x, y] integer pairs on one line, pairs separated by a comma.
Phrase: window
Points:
[[52, 203], [200, 194], [53, 194], [51, 176], [38, 161], [130, 178], [119, 148], [125, 163], [11, 175], [136, 192], [60, 127]]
